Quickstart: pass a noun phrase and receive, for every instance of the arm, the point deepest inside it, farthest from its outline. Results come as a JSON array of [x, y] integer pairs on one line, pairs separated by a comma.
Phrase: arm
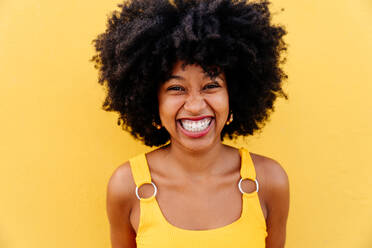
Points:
[[118, 204], [277, 204]]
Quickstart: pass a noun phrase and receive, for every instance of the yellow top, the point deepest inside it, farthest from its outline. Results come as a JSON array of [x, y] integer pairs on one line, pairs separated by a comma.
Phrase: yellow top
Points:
[[154, 231]]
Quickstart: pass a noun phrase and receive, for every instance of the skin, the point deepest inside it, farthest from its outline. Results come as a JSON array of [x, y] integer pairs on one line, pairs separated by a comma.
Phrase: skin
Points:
[[197, 175]]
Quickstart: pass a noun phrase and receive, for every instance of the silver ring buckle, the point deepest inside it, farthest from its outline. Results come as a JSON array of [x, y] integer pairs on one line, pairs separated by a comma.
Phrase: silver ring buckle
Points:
[[155, 191], [240, 185]]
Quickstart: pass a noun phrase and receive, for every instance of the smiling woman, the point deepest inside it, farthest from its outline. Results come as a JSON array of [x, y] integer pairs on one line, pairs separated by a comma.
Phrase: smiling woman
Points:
[[183, 75], [193, 105]]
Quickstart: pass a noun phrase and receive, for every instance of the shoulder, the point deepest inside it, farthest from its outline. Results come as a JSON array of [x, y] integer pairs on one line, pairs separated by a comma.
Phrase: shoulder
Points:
[[274, 183], [121, 186], [120, 200], [275, 187], [270, 172]]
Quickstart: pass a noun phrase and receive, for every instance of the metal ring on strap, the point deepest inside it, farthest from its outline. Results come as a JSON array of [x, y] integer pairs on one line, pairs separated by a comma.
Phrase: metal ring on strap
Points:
[[240, 185], [155, 191]]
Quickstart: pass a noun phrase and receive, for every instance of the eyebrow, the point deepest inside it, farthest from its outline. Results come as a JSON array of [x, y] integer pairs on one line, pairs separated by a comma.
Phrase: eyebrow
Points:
[[176, 77], [181, 78]]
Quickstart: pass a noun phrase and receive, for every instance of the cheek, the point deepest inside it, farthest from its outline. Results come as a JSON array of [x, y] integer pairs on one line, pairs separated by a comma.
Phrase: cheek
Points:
[[168, 108], [225, 101], [220, 103]]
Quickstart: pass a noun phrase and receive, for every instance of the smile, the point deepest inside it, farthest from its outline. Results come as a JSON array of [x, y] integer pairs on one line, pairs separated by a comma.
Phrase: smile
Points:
[[195, 128]]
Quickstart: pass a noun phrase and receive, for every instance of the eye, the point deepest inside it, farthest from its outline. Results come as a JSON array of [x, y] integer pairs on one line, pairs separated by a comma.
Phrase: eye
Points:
[[212, 85], [175, 88]]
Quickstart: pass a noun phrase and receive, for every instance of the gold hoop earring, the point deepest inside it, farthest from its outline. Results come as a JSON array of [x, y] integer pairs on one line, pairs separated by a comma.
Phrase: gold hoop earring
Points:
[[156, 125], [230, 119]]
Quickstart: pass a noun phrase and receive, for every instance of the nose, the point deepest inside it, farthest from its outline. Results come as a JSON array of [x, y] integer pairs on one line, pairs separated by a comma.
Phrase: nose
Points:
[[195, 103]]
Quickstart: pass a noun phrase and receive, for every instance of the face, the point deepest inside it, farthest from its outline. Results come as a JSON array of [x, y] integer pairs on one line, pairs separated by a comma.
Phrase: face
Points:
[[193, 107]]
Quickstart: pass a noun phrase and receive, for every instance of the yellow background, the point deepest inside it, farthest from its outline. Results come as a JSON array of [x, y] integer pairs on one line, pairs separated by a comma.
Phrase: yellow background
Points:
[[58, 148]]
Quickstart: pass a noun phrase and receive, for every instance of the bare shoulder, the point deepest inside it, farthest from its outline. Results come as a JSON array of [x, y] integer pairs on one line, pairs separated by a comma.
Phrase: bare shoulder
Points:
[[275, 191], [121, 186], [270, 171], [119, 203]]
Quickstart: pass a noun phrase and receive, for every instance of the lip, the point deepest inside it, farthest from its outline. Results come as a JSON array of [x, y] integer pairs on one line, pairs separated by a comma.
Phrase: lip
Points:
[[195, 134], [195, 118]]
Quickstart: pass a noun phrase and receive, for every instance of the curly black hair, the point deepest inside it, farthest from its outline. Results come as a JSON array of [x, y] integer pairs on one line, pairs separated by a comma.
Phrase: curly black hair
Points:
[[145, 38]]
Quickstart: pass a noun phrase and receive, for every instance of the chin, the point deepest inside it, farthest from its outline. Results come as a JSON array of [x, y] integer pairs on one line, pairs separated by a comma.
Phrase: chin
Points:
[[198, 145]]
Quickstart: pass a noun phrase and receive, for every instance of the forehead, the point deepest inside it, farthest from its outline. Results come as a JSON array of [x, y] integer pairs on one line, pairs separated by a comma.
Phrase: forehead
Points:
[[182, 69]]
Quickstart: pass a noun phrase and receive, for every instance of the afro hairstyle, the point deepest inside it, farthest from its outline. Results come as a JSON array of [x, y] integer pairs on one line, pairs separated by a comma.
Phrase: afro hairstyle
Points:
[[145, 38]]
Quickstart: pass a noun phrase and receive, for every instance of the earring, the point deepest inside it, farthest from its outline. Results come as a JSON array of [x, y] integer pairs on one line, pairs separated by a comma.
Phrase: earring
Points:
[[156, 125], [230, 119]]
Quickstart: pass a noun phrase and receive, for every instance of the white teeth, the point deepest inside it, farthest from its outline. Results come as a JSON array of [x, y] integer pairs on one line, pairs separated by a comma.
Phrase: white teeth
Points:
[[196, 126]]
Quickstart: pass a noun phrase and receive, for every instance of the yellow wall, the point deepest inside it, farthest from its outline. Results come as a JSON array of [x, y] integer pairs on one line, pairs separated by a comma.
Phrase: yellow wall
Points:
[[58, 148]]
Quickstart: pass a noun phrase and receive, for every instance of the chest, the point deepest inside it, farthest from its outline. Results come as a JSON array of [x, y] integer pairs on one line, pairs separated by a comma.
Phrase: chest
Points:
[[197, 205]]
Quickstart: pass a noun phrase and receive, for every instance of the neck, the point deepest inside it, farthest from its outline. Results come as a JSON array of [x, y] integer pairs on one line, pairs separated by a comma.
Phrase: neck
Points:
[[201, 163]]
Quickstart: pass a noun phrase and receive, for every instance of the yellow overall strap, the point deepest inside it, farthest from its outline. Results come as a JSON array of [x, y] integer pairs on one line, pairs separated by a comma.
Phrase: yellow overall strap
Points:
[[140, 169], [247, 170]]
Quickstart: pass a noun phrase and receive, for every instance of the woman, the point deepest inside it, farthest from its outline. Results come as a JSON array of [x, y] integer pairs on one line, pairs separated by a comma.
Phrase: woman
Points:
[[183, 75]]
